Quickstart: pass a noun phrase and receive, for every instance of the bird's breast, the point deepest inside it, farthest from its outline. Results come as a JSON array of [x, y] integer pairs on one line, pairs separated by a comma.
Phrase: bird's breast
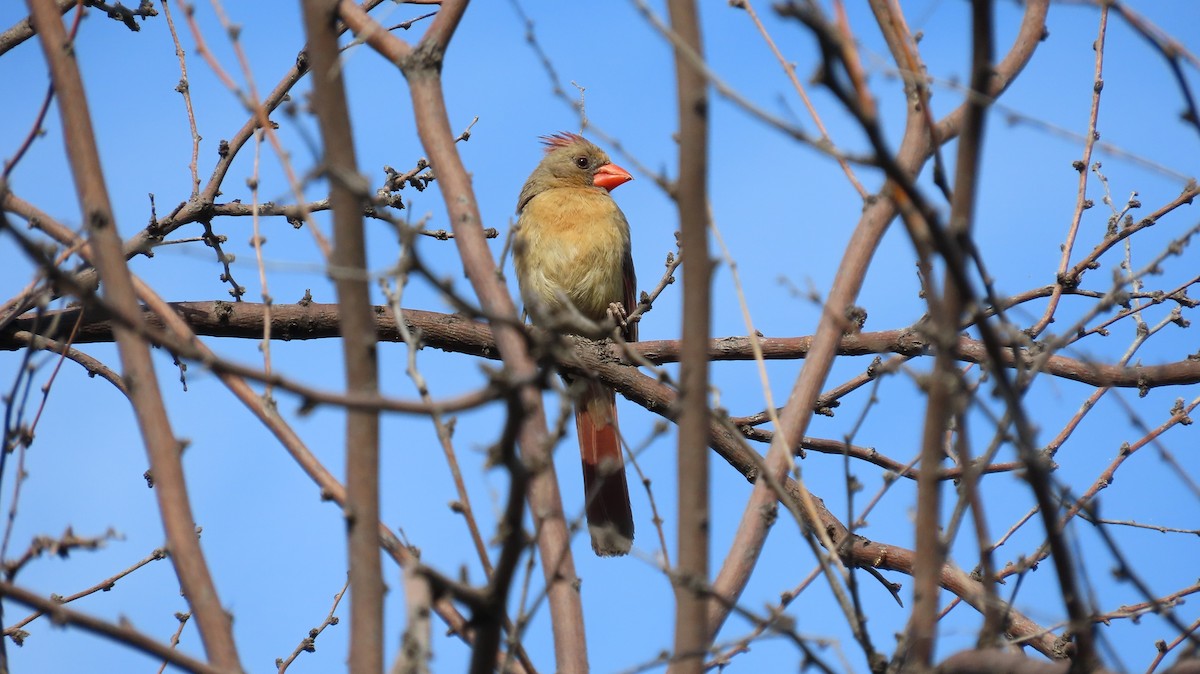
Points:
[[572, 242]]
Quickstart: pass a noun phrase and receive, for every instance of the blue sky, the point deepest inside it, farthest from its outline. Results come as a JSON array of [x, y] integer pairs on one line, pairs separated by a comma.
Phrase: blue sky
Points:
[[786, 213]]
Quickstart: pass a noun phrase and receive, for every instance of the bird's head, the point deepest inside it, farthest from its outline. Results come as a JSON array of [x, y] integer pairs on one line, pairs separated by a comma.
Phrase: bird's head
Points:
[[572, 160]]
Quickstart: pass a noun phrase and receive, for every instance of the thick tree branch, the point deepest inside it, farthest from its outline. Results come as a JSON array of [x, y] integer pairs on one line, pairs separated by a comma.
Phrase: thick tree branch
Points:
[[692, 635], [349, 192], [456, 334]]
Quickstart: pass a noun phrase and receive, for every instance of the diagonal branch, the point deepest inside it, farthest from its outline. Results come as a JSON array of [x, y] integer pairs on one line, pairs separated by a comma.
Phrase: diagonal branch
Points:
[[213, 622], [122, 634]]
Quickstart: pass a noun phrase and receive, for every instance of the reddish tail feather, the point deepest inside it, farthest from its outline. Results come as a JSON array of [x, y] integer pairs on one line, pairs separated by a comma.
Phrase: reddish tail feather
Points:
[[610, 519]]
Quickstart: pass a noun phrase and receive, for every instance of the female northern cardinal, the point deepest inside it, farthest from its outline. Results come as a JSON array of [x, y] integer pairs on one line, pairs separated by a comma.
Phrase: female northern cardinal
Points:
[[572, 255]]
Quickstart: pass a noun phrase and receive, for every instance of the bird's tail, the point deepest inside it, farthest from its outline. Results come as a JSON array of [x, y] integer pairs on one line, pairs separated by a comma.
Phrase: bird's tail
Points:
[[610, 519]]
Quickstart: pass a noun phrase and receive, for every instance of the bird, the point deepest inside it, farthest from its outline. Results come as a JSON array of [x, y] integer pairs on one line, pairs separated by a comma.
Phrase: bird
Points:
[[572, 255]]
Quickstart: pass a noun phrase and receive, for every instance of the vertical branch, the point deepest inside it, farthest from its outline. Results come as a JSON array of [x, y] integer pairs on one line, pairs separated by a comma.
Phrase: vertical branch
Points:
[[991, 633], [416, 649], [691, 624], [946, 391], [489, 624], [184, 89], [422, 68], [214, 623], [348, 264], [1062, 278]]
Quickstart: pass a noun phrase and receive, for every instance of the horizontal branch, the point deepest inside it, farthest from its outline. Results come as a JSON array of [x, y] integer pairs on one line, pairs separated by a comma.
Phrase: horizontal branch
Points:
[[452, 333]]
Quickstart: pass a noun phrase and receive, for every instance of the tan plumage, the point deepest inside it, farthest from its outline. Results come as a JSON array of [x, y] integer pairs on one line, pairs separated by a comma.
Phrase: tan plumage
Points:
[[572, 254]]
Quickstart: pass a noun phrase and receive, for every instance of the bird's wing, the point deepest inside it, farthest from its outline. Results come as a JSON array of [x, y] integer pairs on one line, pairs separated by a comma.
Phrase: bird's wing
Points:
[[630, 300]]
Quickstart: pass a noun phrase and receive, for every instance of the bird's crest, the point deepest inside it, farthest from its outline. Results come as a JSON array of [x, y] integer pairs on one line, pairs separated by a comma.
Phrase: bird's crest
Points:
[[562, 139]]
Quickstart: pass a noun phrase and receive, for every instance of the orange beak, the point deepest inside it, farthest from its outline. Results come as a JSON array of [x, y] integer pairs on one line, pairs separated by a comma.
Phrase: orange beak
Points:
[[611, 176]]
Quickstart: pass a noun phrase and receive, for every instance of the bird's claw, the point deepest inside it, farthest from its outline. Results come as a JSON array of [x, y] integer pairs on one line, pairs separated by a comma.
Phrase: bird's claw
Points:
[[616, 311]]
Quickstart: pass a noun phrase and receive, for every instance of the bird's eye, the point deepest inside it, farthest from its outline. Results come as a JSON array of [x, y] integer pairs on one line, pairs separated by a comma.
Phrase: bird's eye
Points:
[[583, 162]]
